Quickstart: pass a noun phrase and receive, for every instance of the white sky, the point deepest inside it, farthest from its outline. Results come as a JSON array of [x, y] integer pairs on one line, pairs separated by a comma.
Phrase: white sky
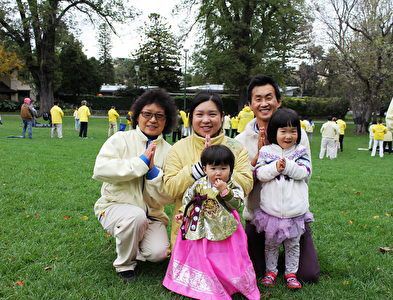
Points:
[[128, 36]]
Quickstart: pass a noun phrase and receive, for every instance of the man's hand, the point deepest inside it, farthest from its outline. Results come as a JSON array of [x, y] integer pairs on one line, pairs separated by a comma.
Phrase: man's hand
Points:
[[261, 137]]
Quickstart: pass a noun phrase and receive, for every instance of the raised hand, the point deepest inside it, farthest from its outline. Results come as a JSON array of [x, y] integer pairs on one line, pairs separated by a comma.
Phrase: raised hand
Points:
[[207, 140], [220, 185], [280, 165], [179, 218], [149, 153], [261, 137]]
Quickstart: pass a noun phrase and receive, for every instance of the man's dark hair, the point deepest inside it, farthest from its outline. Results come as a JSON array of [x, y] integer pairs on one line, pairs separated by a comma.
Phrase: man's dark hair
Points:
[[161, 98], [283, 117], [261, 80]]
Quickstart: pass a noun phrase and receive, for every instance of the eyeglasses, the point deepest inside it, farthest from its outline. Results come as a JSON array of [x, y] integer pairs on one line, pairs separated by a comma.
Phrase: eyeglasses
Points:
[[148, 115]]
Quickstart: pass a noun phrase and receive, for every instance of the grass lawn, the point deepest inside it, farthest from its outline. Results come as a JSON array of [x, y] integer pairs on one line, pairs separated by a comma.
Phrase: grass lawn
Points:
[[52, 247]]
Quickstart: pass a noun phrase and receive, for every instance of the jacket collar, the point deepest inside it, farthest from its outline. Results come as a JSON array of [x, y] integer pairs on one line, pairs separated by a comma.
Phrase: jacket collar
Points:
[[143, 137]]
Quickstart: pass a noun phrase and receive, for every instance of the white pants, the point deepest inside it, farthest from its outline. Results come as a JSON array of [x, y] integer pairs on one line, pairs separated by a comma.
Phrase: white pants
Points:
[[112, 128], [292, 254], [376, 143], [59, 130], [137, 237], [329, 146]]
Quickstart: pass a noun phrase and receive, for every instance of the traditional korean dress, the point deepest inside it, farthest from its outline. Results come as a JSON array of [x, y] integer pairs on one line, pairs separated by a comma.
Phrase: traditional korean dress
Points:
[[210, 258]]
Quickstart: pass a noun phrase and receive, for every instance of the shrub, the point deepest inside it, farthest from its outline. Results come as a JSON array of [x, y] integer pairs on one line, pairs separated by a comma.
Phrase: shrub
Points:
[[8, 105]]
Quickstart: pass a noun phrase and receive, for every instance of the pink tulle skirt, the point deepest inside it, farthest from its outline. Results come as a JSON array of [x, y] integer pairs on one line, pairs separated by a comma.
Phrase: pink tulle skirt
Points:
[[280, 229], [204, 269]]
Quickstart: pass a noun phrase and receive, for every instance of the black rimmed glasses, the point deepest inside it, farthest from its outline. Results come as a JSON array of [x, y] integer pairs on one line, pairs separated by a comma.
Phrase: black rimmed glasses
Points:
[[148, 115]]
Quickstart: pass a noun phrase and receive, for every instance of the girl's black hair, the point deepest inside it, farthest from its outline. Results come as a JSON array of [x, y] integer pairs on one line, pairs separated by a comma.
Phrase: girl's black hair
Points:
[[283, 117], [203, 97], [161, 98], [218, 155]]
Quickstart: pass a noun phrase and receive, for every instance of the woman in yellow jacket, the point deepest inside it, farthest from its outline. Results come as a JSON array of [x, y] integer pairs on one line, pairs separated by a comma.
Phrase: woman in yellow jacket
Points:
[[84, 114], [183, 166], [379, 131], [245, 116]]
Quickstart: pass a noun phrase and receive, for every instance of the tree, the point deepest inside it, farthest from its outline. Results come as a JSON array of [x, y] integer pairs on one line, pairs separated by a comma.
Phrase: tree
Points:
[[361, 32], [32, 25], [78, 74], [9, 61], [244, 37], [158, 57], [104, 51]]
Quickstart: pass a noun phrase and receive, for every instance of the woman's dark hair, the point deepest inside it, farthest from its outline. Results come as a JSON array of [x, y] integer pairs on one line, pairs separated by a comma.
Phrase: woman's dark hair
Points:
[[203, 97], [283, 117], [261, 80], [161, 98], [218, 155]]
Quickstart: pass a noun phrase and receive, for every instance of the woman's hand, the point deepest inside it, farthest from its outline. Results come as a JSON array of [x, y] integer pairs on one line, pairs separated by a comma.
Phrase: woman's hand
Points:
[[207, 140], [149, 153]]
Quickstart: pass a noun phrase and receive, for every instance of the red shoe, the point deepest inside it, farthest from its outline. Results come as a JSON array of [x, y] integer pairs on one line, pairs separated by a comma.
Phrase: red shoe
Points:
[[269, 280], [292, 282]]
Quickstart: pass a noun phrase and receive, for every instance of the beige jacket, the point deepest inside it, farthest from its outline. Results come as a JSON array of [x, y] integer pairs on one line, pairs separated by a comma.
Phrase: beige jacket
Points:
[[124, 173]]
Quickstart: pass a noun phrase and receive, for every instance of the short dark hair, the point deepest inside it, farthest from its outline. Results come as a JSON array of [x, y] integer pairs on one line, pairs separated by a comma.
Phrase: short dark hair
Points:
[[56, 102], [203, 97], [161, 98], [261, 80], [283, 117], [218, 155]]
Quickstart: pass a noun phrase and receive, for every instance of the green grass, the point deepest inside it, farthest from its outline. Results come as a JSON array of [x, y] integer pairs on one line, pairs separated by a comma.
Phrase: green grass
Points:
[[50, 239]]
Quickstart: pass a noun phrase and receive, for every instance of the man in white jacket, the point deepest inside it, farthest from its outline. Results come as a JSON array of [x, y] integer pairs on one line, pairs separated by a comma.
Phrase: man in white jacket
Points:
[[330, 131], [265, 98]]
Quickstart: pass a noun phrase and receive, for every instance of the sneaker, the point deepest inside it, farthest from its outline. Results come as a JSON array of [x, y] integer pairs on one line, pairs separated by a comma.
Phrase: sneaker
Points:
[[292, 282], [127, 276], [269, 280]]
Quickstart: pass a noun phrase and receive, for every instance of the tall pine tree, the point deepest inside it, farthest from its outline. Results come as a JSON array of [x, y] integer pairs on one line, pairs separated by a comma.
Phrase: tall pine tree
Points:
[[104, 53]]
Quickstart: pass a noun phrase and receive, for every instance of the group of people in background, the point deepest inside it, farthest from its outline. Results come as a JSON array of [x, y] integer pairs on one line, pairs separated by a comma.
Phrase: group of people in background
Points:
[[332, 132]]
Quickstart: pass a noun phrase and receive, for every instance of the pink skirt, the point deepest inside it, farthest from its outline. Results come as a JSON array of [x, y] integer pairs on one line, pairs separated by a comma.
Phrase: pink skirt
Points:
[[204, 269]]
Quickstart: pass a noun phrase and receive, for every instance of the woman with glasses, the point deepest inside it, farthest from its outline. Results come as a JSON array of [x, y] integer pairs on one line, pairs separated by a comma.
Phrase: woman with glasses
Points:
[[130, 166]]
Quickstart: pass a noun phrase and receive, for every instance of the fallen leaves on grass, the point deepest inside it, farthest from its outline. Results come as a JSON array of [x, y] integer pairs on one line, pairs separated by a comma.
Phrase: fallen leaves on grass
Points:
[[358, 193], [350, 222], [388, 214], [385, 249], [107, 235], [48, 268], [66, 217], [84, 218], [20, 283], [37, 215], [376, 217], [346, 282]]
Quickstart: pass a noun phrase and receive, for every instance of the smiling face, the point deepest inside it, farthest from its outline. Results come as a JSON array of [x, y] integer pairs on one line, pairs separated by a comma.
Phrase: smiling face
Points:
[[214, 172], [264, 102], [207, 119], [152, 126], [286, 137]]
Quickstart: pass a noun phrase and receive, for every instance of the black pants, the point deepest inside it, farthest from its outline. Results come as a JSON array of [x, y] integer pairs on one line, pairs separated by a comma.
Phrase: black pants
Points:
[[389, 144], [83, 129], [233, 132], [176, 134], [341, 140]]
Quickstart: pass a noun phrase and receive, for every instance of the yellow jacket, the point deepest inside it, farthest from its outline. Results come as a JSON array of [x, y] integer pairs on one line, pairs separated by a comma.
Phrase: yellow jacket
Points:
[[56, 115], [185, 118], [185, 153], [112, 115], [379, 131], [84, 113], [234, 122], [245, 116], [341, 125], [303, 124]]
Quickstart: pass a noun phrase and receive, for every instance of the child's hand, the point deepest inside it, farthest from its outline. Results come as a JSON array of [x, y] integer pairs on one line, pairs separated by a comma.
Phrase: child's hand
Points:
[[179, 218], [220, 185], [280, 165]]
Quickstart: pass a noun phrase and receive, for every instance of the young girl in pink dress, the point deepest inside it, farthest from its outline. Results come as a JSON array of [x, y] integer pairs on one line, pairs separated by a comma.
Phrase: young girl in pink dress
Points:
[[210, 259]]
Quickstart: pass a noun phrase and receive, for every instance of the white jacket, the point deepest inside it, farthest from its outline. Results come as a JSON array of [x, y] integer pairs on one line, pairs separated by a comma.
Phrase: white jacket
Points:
[[284, 195], [125, 174], [249, 139]]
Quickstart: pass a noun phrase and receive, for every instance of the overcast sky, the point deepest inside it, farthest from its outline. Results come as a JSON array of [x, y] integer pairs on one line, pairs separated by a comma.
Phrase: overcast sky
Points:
[[128, 35]]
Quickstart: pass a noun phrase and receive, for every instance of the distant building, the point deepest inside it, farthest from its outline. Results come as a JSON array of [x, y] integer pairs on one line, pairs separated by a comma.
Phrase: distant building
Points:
[[292, 91], [216, 88], [15, 89], [110, 90]]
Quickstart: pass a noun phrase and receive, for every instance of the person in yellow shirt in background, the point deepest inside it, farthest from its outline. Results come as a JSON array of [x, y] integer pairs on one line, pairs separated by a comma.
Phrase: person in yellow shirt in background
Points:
[[57, 115], [379, 131], [310, 129], [84, 114], [245, 116], [113, 117], [342, 126], [129, 119], [234, 125], [186, 124]]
